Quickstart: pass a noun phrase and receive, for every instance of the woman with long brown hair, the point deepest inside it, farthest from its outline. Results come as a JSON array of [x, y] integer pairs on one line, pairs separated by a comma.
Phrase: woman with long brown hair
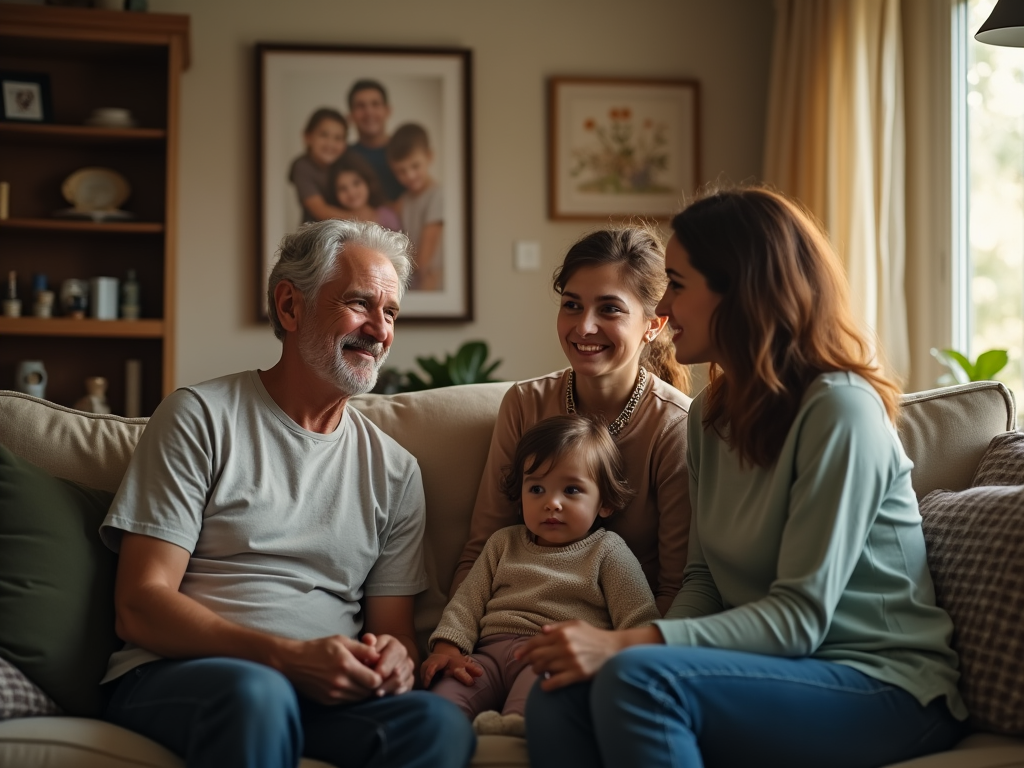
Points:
[[806, 631], [622, 371]]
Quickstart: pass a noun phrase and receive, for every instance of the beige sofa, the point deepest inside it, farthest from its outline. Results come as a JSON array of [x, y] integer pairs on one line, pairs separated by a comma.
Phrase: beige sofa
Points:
[[448, 430]]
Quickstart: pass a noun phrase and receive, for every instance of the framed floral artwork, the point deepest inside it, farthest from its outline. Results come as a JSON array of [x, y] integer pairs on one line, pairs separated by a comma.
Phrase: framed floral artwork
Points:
[[622, 147], [372, 134]]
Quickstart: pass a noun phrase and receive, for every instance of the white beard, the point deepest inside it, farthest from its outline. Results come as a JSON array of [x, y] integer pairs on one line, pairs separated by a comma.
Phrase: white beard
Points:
[[325, 355]]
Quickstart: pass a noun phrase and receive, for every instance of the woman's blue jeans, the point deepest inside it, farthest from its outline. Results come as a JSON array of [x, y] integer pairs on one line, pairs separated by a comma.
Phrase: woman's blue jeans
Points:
[[666, 706], [221, 713]]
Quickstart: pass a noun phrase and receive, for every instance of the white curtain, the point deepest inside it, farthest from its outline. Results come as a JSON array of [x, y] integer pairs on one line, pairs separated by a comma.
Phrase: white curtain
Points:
[[835, 140]]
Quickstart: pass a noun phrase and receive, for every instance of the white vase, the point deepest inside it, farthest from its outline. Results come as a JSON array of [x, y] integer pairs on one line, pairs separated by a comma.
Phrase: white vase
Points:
[[31, 378]]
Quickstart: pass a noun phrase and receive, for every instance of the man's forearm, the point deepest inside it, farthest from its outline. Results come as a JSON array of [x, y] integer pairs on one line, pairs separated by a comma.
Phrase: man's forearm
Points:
[[175, 626]]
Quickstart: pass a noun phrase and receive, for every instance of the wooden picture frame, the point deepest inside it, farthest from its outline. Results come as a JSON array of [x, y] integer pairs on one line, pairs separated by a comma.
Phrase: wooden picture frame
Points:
[[412, 115], [622, 147], [25, 97]]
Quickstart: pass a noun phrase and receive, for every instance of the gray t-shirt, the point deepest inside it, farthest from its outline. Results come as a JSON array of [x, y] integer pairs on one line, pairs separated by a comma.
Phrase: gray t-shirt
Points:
[[288, 529]]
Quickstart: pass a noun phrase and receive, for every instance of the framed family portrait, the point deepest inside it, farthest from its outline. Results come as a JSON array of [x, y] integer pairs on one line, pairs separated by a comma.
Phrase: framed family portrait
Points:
[[621, 148], [375, 134], [26, 97]]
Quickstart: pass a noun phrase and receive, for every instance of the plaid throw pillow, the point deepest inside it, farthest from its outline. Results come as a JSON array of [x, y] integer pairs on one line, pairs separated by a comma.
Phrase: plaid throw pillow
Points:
[[19, 696], [1003, 462], [975, 541]]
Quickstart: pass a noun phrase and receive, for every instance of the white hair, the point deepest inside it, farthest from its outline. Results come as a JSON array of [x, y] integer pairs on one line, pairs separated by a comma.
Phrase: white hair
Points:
[[307, 258]]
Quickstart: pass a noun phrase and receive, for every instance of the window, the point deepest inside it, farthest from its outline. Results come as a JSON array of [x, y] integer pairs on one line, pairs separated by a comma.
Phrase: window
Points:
[[991, 96]]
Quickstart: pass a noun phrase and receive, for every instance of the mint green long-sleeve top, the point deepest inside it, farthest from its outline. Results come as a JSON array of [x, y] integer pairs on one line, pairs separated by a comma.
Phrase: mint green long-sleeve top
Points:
[[820, 555]]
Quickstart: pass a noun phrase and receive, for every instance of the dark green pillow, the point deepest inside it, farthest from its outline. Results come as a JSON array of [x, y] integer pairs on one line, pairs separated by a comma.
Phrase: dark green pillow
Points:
[[56, 584]]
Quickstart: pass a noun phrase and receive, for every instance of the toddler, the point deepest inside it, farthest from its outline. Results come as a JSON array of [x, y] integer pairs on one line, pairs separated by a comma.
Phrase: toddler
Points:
[[567, 474], [325, 139], [421, 205], [358, 191]]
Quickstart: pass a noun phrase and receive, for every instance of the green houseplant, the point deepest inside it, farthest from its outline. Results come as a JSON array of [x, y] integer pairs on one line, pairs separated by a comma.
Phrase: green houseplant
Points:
[[962, 370], [469, 365]]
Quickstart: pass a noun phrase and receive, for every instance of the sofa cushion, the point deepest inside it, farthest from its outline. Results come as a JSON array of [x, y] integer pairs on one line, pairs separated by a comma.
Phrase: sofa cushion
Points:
[[1003, 462], [975, 541], [56, 583], [78, 742], [19, 696]]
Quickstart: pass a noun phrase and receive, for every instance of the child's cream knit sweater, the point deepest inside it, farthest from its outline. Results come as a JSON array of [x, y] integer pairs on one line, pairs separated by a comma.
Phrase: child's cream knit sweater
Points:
[[517, 586]]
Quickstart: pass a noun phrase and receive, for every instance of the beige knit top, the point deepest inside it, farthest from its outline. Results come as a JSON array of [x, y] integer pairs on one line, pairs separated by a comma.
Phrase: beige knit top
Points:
[[655, 525], [517, 587]]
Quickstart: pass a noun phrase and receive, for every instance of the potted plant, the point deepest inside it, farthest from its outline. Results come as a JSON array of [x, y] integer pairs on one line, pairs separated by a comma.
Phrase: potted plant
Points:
[[469, 365], [962, 370]]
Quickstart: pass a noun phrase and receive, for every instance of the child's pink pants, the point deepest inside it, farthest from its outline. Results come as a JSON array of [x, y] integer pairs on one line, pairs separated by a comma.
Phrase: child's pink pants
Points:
[[505, 683]]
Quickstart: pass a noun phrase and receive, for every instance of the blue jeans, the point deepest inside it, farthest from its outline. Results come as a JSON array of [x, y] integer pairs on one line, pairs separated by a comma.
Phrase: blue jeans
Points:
[[220, 713], [669, 706]]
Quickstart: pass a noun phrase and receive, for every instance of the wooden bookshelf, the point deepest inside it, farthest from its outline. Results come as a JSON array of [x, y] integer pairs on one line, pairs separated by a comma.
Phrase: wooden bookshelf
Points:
[[29, 133], [93, 58], [86, 225], [70, 327]]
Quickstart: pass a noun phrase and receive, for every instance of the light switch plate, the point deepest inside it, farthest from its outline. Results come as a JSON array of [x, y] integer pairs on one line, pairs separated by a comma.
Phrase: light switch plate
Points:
[[526, 255]]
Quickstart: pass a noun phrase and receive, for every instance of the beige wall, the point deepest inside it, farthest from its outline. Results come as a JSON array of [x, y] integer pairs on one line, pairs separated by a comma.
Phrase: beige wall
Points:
[[516, 46]]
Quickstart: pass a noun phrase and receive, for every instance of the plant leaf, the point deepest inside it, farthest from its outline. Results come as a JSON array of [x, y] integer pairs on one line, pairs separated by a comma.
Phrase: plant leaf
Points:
[[989, 364], [485, 375], [958, 365], [438, 371], [468, 360]]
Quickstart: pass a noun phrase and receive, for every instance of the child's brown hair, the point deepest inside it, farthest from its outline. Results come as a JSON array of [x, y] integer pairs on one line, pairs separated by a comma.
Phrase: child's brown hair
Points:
[[405, 140], [355, 163], [556, 437], [324, 113]]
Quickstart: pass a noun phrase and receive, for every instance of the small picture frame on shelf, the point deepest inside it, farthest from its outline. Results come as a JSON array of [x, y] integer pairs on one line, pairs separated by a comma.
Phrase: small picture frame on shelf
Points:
[[25, 97]]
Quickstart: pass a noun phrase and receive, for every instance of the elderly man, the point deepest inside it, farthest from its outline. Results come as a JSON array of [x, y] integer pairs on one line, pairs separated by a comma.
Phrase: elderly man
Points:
[[270, 542]]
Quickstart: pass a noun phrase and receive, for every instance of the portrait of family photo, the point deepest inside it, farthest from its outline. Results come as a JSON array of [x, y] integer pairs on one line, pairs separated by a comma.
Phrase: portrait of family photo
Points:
[[373, 134]]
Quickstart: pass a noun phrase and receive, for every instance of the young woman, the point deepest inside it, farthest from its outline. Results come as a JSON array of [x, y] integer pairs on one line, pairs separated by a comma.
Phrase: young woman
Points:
[[623, 372], [806, 632]]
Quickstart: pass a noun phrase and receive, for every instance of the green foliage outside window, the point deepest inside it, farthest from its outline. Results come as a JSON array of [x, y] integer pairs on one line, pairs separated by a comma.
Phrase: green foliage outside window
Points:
[[962, 370]]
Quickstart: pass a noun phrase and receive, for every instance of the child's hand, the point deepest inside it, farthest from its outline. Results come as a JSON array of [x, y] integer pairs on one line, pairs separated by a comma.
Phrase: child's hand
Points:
[[462, 668]]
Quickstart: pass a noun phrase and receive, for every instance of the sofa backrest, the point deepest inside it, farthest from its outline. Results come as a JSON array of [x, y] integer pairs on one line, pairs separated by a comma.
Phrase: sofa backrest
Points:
[[88, 448], [945, 431], [448, 430]]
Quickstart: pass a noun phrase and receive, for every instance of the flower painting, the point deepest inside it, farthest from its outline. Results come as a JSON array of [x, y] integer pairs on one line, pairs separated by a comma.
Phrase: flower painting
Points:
[[622, 147], [624, 156]]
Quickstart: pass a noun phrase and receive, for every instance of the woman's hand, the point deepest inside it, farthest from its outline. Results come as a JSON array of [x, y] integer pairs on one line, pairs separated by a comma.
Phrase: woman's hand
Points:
[[573, 651]]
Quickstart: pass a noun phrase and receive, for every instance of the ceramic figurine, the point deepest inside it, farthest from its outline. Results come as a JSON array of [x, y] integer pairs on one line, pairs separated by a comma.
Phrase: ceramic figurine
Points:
[[95, 400]]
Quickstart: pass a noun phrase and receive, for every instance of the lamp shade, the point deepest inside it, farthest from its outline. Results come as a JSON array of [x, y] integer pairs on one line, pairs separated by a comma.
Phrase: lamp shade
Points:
[[1004, 26]]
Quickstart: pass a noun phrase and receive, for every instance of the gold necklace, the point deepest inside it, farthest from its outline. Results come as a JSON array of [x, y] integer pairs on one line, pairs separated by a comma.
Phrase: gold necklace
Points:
[[622, 419]]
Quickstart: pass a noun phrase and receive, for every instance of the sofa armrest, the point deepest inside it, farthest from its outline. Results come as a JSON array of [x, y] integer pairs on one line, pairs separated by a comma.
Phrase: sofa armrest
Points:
[[945, 431]]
